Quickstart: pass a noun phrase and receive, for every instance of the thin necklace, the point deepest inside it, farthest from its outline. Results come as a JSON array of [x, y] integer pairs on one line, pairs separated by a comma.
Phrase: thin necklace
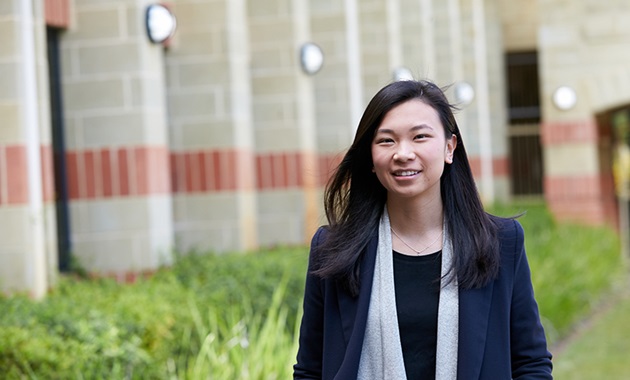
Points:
[[412, 248]]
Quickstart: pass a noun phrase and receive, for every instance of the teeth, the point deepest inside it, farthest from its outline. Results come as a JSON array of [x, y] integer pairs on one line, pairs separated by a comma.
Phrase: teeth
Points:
[[407, 173]]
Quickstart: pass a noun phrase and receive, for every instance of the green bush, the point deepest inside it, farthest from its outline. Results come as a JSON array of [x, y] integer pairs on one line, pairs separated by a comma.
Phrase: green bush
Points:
[[154, 329], [572, 265], [235, 316]]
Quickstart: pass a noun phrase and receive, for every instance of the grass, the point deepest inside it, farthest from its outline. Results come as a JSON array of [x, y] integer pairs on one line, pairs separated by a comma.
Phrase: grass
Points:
[[236, 315], [602, 349]]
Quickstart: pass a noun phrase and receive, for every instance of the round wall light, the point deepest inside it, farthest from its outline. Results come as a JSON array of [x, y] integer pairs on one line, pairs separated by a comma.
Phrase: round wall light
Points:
[[464, 93], [402, 73], [311, 58], [564, 98], [161, 23]]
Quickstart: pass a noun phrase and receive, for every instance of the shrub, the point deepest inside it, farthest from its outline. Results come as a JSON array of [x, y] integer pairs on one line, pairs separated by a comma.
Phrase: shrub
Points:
[[572, 265], [235, 315]]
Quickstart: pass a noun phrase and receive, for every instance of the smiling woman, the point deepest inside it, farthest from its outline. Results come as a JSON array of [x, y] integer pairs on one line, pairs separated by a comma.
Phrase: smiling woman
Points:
[[412, 278]]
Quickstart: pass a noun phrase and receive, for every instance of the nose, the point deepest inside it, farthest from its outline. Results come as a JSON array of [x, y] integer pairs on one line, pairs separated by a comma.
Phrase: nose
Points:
[[403, 153]]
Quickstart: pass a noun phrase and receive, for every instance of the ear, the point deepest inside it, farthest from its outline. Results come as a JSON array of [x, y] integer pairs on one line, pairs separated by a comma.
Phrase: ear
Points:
[[449, 150]]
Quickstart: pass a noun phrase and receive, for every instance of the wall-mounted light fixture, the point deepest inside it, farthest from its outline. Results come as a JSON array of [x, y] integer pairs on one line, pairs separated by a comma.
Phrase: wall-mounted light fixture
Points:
[[161, 23], [402, 73], [311, 58], [464, 93], [564, 97]]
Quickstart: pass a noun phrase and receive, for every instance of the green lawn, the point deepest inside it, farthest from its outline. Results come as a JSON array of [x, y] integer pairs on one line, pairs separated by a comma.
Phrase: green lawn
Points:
[[601, 350]]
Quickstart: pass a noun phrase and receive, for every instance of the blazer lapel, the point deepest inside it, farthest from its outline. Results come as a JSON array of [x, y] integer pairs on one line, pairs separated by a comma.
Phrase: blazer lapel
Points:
[[474, 309], [353, 312]]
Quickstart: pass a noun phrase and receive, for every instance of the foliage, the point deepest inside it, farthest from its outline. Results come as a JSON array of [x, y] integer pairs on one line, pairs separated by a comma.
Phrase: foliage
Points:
[[179, 323], [572, 265], [235, 315]]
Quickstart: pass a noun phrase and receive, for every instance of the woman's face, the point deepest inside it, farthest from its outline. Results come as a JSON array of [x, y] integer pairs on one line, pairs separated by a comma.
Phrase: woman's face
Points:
[[409, 151]]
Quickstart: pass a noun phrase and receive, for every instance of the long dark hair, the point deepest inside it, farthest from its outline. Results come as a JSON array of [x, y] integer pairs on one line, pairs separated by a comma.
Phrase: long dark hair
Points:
[[354, 199]]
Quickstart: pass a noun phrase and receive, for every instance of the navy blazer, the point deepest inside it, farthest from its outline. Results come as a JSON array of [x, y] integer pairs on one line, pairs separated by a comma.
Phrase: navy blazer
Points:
[[500, 334]]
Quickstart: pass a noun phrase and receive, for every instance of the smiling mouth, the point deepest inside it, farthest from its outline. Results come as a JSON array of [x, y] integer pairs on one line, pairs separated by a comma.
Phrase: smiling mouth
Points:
[[406, 173]]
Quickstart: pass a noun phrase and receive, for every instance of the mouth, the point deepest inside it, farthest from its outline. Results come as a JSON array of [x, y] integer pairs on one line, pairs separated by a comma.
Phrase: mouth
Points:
[[405, 173]]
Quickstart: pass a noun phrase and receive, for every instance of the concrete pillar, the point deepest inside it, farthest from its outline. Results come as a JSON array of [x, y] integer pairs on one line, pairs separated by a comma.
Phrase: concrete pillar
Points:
[[117, 140], [27, 230], [284, 122], [212, 141]]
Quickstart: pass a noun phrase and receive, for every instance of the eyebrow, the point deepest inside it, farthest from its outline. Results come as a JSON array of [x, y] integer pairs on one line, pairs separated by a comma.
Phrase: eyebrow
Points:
[[412, 129]]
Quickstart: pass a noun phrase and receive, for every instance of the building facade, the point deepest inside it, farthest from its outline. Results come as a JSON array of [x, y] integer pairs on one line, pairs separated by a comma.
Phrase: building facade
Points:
[[116, 151]]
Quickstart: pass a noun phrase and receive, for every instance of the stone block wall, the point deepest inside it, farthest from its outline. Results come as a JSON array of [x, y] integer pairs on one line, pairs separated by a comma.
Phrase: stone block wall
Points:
[[584, 46], [116, 139], [210, 127]]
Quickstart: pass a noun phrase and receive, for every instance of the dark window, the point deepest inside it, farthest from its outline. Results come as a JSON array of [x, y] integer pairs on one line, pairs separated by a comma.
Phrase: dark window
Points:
[[523, 91], [526, 164]]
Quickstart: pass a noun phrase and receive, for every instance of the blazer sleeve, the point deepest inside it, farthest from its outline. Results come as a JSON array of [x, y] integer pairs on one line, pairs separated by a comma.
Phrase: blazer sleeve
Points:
[[530, 357], [310, 351]]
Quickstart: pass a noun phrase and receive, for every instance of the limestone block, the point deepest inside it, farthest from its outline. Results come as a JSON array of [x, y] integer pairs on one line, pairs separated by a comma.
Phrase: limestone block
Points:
[[121, 128], [9, 38], [274, 56], [555, 36], [108, 254], [12, 271], [277, 138], [268, 8], [11, 130], [97, 94], [281, 84], [211, 207], [268, 111], [198, 103], [109, 58], [13, 227], [9, 78], [273, 30], [100, 23], [146, 92], [199, 16], [206, 135], [280, 202], [571, 159], [206, 73]]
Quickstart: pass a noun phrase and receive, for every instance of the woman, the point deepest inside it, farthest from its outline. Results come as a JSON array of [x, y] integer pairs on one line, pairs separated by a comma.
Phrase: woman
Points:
[[412, 279]]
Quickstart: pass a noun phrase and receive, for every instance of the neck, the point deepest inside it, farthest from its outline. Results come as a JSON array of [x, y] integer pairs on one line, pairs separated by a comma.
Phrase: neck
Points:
[[409, 216]]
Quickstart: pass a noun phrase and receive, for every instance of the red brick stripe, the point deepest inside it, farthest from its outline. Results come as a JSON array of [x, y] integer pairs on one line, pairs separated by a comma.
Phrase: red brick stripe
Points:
[[587, 199], [142, 170], [500, 166], [17, 174], [57, 13], [48, 180], [14, 174], [115, 172], [561, 132]]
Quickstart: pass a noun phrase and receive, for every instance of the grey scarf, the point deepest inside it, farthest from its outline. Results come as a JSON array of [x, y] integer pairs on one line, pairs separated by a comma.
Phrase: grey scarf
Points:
[[381, 355]]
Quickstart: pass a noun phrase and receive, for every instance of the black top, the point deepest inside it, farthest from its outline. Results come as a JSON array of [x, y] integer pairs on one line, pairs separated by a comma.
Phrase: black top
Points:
[[416, 279]]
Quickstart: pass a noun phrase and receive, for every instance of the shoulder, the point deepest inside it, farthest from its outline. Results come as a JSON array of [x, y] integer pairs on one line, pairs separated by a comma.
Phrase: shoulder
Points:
[[508, 229], [510, 234], [319, 237]]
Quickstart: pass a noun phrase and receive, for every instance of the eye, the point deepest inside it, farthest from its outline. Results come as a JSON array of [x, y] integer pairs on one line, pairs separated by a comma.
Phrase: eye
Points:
[[421, 136], [384, 140]]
